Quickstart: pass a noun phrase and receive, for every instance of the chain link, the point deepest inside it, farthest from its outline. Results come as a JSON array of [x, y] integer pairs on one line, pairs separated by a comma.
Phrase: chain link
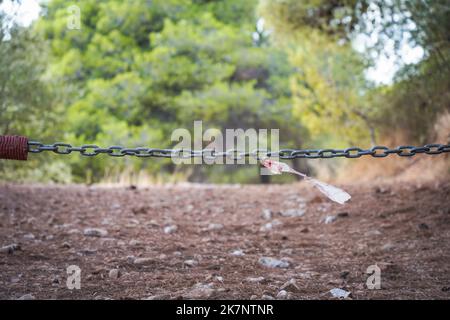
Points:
[[90, 150]]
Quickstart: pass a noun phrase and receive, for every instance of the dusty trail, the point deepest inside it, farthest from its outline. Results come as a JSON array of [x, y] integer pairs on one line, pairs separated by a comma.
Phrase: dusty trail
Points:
[[404, 229]]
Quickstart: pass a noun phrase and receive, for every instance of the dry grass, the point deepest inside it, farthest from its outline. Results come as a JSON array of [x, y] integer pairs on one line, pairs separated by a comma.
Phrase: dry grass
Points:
[[400, 169]]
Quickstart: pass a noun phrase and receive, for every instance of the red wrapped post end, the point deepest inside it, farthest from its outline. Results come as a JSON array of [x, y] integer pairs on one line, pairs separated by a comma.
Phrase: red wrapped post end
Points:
[[13, 147]]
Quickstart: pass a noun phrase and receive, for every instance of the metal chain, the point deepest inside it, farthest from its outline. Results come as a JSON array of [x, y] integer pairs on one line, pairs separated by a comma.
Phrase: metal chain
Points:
[[89, 150]]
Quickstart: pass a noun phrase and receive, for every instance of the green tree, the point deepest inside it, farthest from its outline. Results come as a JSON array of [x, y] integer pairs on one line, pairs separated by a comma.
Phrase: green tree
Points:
[[146, 68], [25, 97], [420, 91], [28, 99]]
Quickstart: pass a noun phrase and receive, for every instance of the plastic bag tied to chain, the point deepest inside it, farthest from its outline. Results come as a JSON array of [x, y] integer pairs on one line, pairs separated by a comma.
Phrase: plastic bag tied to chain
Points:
[[332, 192]]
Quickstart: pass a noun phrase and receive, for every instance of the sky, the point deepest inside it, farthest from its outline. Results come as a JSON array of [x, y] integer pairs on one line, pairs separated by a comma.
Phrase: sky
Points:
[[25, 13], [382, 72], [387, 64]]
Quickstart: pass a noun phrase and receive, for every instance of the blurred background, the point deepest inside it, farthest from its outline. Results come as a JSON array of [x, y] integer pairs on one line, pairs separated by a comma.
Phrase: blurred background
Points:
[[328, 74]]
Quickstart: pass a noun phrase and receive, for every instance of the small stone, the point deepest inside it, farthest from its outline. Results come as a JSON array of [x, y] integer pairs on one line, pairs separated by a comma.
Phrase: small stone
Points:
[[305, 275], [114, 273], [254, 297], [267, 297], [10, 248], [266, 227], [293, 212], [388, 246], [170, 229], [16, 279], [143, 261], [66, 245], [254, 279], [152, 223], [134, 242], [344, 274], [329, 219], [270, 225], [290, 285], [158, 297], [134, 221], [29, 236], [339, 293], [162, 256], [27, 296], [215, 226], [238, 253], [130, 259], [191, 263], [283, 294], [304, 230], [266, 214], [95, 232], [102, 298], [273, 263]]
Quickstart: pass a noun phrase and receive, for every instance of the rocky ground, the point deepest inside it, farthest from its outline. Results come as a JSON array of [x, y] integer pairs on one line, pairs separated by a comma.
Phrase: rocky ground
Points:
[[220, 242]]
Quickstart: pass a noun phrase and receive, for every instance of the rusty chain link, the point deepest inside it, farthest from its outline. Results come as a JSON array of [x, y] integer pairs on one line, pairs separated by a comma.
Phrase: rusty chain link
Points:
[[142, 152]]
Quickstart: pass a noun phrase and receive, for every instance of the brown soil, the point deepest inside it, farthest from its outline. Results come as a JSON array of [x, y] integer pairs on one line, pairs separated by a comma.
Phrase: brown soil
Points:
[[404, 229]]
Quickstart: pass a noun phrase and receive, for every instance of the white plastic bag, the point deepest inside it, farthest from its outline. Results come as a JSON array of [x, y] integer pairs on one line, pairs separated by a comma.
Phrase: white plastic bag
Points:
[[332, 192]]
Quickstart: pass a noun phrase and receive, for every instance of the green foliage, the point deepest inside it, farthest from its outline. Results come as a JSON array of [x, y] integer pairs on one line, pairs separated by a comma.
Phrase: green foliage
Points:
[[232, 12], [24, 94], [327, 98], [27, 99], [136, 70], [335, 18], [325, 27]]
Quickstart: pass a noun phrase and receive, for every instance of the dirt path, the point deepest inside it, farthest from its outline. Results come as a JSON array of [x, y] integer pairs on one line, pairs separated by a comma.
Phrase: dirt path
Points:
[[220, 238]]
